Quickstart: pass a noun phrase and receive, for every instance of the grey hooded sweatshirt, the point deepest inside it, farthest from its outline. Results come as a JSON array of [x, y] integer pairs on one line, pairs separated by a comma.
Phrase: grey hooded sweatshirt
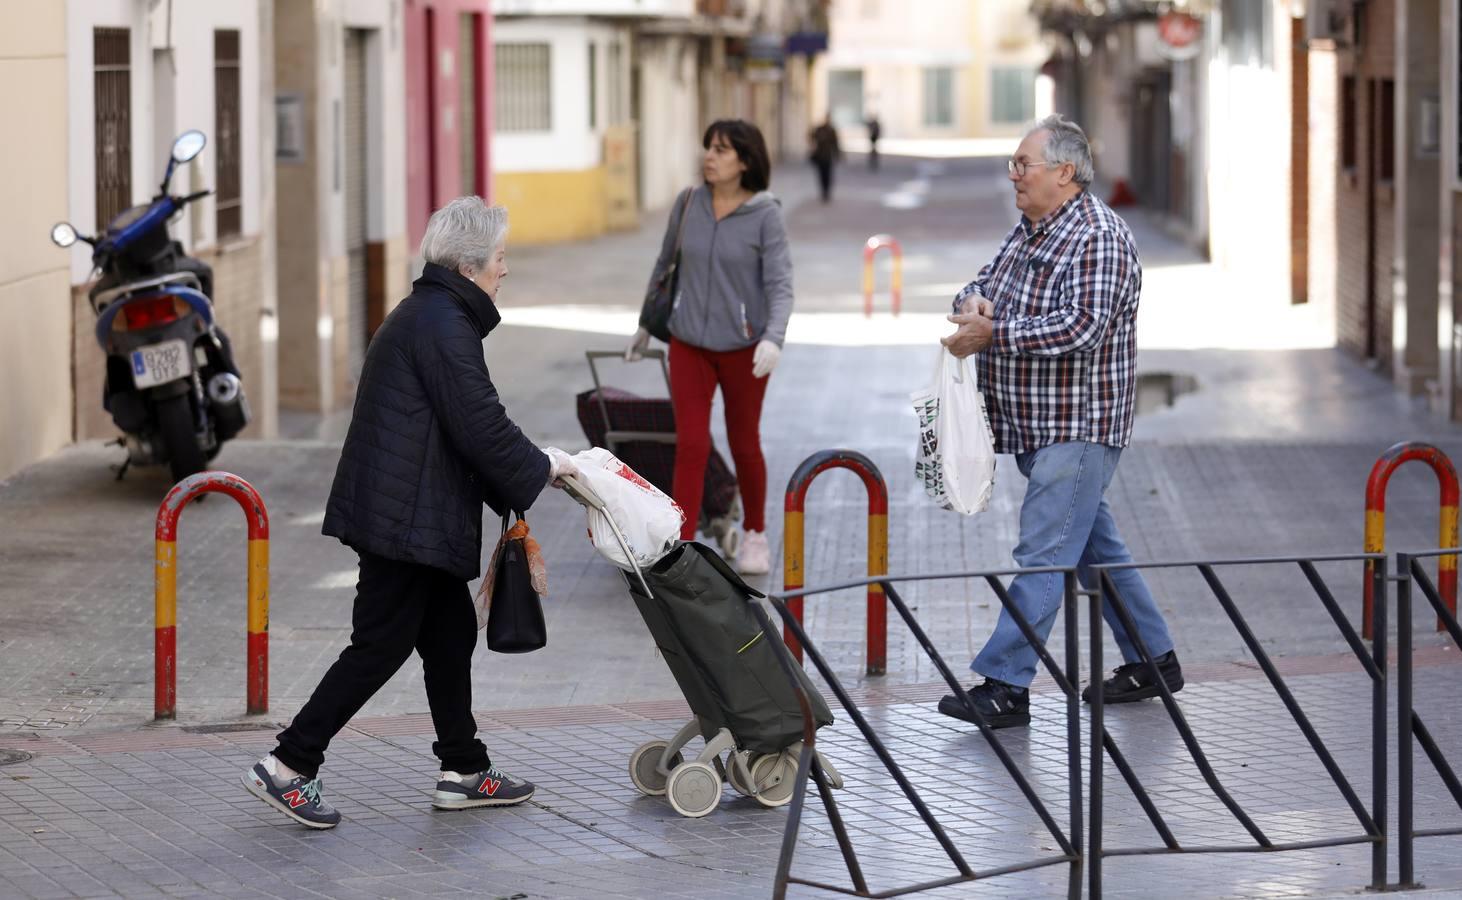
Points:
[[735, 282]]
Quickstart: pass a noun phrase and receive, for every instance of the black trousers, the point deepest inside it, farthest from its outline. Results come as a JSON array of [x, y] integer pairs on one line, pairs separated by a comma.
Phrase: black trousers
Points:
[[825, 178], [399, 607]]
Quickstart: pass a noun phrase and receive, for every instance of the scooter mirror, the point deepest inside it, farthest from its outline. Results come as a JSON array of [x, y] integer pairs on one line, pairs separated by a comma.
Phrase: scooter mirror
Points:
[[188, 145], [63, 235]]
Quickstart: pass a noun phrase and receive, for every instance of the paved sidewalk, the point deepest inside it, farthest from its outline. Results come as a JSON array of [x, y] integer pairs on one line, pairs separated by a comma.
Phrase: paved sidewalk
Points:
[[157, 812], [1268, 456]]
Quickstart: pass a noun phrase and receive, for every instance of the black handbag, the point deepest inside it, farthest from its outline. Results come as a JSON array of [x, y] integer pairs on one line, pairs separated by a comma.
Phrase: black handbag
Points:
[[515, 619], [660, 301]]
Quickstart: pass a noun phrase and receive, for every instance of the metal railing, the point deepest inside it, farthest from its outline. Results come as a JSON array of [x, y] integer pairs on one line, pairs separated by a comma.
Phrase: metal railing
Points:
[[1102, 746], [1069, 841], [1410, 728], [1372, 821]]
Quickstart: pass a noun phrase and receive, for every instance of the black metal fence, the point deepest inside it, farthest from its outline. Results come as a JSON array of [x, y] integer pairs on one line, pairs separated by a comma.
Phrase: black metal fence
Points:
[[1410, 728], [1090, 854]]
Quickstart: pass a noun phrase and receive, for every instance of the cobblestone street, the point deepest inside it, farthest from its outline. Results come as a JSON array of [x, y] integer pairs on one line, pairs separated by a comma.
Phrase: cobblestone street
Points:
[[1267, 455]]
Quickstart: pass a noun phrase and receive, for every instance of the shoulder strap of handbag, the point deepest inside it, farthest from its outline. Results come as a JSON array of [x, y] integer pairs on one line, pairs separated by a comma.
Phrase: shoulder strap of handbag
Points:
[[685, 196], [510, 517]]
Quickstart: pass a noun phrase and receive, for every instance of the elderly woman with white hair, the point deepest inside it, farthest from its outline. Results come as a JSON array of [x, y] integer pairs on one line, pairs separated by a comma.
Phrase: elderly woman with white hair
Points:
[[429, 443]]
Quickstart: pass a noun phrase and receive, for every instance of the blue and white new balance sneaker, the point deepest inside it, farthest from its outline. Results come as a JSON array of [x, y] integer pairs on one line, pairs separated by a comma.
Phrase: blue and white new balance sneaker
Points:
[[490, 788], [297, 797]]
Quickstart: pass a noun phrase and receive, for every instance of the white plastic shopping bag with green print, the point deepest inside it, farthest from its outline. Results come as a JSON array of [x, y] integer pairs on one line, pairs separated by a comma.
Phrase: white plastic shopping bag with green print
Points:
[[955, 459]]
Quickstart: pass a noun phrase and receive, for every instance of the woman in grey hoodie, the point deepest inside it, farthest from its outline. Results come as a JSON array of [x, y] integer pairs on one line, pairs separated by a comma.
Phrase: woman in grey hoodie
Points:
[[729, 320]]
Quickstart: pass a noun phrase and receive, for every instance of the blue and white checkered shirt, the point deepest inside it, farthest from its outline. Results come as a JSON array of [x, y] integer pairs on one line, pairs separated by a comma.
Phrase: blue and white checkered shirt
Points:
[[1062, 364]]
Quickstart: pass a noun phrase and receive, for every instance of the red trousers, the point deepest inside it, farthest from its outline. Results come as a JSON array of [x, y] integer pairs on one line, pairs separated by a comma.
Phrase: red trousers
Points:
[[694, 375]]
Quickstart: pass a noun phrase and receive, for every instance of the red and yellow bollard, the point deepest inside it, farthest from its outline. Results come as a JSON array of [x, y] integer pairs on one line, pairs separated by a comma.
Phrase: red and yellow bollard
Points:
[[165, 597], [793, 571], [896, 284], [1375, 538]]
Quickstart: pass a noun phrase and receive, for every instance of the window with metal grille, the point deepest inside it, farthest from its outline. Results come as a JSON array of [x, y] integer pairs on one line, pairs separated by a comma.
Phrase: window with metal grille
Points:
[[938, 97], [228, 195], [112, 118], [1012, 95], [523, 88]]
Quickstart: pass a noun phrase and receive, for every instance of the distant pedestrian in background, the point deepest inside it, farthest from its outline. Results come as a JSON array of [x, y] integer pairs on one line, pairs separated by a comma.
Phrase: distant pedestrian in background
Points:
[[825, 152], [733, 299], [875, 131]]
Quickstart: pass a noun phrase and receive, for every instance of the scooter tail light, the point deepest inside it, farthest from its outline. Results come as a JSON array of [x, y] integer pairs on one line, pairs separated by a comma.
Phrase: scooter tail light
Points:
[[149, 312]]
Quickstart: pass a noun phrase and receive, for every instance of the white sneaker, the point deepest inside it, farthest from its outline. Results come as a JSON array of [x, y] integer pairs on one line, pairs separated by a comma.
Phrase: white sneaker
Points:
[[754, 557]]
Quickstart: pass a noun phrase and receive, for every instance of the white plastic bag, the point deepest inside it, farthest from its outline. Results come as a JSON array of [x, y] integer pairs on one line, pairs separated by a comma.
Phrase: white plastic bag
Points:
[[955, 460], [649, 520]]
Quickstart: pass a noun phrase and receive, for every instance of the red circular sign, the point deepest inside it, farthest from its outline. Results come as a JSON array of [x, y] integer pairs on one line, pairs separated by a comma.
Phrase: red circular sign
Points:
[[1180, 33]]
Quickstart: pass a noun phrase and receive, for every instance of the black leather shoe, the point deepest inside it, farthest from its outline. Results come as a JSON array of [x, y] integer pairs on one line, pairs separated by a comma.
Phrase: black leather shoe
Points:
[[1002, 705], [1134, 681]]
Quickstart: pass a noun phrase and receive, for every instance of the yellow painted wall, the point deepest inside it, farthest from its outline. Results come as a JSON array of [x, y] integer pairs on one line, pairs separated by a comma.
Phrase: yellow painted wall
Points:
[[547, 207]]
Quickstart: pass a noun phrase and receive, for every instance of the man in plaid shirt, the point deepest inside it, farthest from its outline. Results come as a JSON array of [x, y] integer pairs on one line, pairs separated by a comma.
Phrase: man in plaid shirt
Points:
[[1052, 321]]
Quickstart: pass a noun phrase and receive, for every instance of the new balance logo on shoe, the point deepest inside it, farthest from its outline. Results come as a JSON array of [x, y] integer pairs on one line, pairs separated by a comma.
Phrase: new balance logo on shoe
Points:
[[490, 788], [294, 798]]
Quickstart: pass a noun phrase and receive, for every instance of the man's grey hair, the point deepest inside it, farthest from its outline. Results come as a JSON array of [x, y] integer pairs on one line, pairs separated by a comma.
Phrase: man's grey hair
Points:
[[465, 232], [1066, 143]]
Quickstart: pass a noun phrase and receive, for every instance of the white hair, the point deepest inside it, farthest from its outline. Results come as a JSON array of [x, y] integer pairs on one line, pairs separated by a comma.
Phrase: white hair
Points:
[[464, 233], [1066, 143]]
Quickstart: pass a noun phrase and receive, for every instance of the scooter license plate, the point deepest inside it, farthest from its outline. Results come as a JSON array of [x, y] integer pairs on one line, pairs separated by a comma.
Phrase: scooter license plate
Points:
[[160, 363]]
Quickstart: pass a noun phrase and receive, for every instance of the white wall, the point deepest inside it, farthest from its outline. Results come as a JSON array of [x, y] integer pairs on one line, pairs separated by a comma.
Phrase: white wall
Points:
[[569, 145], [35, 361], [675, 8], [386, 115], [1248, 179], [192, 42], [670, 148]]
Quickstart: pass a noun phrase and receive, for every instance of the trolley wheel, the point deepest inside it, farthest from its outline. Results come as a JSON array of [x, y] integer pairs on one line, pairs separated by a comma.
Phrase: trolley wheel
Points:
[[775, 776], [642, 768], [733, 776], [694, 789]]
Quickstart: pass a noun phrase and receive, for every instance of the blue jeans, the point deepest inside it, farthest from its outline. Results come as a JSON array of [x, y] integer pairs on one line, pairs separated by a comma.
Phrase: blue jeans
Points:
[[1064, 521]]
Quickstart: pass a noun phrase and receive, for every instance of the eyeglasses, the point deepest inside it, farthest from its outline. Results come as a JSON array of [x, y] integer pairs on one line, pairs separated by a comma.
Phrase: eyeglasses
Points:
[[1017, 167]]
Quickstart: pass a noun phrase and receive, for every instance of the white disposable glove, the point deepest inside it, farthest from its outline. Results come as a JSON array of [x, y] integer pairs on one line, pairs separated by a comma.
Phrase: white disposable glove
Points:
[[559, 464], [636, 349], [764, 360]]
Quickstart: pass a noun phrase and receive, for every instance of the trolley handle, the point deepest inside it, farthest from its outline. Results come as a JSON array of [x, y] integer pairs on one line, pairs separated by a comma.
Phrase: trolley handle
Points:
[[592, 355], [585, 496]]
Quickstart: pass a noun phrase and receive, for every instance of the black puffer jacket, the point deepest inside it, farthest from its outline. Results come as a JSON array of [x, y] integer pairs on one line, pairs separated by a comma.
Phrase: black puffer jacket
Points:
[[429, 440]]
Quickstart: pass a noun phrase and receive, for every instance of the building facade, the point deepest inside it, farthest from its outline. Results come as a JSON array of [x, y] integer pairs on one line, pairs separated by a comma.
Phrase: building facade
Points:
[[600, 107], [35, 277], [564, 158], [138, 74], [961, 69], [1198, 112], [341, 185], [449, 97]]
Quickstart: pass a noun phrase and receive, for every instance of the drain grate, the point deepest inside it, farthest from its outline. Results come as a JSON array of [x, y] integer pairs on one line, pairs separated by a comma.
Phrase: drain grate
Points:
[[230, 727], [10, 757]]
